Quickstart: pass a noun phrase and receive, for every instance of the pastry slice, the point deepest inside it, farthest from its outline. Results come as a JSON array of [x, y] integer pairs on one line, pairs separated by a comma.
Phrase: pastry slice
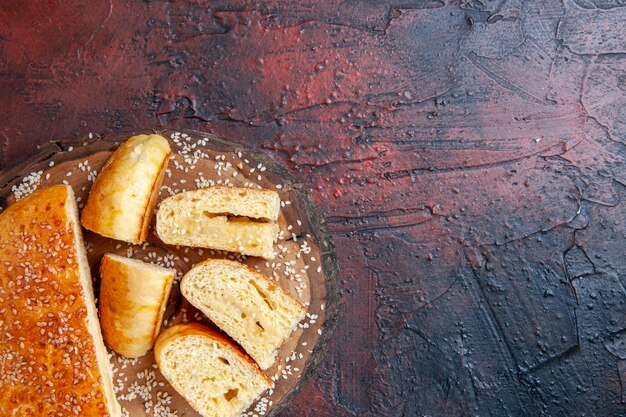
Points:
[[52, 358], [122, 199], [227, 218], [208, 370], [253, 310], [133, 297]]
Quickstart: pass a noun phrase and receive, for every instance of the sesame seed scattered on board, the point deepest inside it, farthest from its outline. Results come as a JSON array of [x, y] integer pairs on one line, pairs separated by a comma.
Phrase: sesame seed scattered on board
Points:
[[290, 267]]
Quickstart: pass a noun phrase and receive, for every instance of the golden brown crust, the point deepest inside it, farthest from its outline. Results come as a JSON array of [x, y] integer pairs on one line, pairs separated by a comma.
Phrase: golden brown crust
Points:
[[48, 359], [122, 199], [154, 195], [188, 329], [165, 296], [133, 297]]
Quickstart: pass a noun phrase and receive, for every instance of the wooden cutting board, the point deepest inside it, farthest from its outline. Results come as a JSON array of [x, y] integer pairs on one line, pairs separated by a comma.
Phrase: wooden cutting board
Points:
[[305, 267]]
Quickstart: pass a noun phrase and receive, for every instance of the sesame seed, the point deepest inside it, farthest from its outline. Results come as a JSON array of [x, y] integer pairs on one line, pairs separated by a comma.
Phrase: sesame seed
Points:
[[289, 267]]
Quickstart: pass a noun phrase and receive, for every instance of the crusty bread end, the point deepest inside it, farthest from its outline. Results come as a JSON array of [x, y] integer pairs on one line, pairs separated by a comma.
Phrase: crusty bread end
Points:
[[213, 374], [133, 297], [122, 199]]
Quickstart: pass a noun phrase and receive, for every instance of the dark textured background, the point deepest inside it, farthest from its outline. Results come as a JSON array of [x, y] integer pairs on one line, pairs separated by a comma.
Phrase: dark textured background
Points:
[[468, 156]]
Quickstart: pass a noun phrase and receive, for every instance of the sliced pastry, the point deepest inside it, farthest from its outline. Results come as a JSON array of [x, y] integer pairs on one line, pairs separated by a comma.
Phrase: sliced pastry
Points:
[[208, 370], [250, 308], [227, 218]]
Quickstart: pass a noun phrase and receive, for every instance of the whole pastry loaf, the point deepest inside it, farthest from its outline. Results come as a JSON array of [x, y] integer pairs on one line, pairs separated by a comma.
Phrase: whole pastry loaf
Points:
[[52, 358]]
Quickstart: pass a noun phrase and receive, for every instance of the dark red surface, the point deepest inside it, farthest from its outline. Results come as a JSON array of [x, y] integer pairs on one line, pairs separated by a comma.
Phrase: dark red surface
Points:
[[469, 158]]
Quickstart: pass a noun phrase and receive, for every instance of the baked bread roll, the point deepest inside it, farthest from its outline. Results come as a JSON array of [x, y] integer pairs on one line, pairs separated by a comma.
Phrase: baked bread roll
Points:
[[227, 218], [253, 310], [133, 297], [52, 358], [122, 199], [212, 373]]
